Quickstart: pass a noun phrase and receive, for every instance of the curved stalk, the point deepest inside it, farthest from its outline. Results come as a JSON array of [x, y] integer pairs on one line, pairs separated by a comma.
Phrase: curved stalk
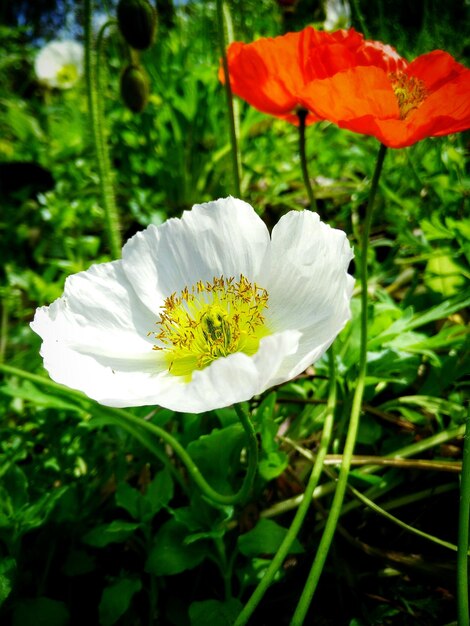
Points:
[[463, 538], [302, 115], [299, 517], [395, 520], [101, 148], [280, 508], [119, 417], [335, 511]]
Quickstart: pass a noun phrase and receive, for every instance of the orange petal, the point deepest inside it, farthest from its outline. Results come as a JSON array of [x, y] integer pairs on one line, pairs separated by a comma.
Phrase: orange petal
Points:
[[435, 69], [266, 73], [355, 93]]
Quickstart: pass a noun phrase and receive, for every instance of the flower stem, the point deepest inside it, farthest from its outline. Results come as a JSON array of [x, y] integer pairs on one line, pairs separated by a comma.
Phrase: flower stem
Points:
[[463, 536], [280, 508], [335, 511], [302, 115], [299, 517], [228, 93], [101, 148], [119, 417], [245, 420]]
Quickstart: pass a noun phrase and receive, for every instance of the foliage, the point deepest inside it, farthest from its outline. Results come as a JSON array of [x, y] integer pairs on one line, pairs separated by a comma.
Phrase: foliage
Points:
[[100, 526]]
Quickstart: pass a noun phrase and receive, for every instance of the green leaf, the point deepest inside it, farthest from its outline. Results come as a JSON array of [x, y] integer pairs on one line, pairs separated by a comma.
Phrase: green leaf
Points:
[[16, 483], [159, 493], [28, 391], [218, 456], [443, 275], [38, 512], [430, 404], [265, 538], [370, 431], [202, 517], [40, 612], [141, 506], [116, 599], [265, 411], [78, 563], [214, 612], [129, 499], [115, 532], [170, 554], [273, 464], [7, 575]]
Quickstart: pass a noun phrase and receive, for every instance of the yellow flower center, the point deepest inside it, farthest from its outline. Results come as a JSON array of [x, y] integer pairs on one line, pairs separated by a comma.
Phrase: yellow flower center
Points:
[[409, 91], [68, 74], [211, 320]]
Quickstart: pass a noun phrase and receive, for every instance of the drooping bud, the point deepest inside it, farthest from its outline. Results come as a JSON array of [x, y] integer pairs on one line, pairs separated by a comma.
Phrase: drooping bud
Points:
[[137, 21], [135, 88]]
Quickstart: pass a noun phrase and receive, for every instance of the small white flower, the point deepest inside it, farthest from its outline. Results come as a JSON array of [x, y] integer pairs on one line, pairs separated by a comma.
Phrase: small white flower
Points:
[[60, 64], [338, 14], [201, 312]]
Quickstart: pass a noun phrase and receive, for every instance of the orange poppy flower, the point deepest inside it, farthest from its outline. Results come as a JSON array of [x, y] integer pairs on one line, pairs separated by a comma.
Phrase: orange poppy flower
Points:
[[428, 97], [271, 74]]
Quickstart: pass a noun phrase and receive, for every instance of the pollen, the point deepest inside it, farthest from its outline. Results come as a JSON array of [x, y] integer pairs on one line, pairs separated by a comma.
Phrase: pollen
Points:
[[67, 74], [210, 320], [409, 91]]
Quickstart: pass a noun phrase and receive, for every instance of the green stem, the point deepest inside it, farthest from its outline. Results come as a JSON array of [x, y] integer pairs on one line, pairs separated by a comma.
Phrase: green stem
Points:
[[280, 508], [244, 418], [101, 148], [230, 33], [143, 439], [228, 93], [302, 115], [187, 461], [4, 305], [120, 417], [299, 517], [224, 566], [380, 511], [463, 537], [360, 18], [335, 511], [111, 212]]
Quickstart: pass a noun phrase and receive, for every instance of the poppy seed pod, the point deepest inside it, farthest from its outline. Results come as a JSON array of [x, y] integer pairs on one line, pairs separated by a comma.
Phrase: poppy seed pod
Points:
[[134, 88], [137, 21]]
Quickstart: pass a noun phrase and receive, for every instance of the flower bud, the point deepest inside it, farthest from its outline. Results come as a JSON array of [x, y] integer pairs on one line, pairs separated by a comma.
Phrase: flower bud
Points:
[[134, 88], [137, 21]]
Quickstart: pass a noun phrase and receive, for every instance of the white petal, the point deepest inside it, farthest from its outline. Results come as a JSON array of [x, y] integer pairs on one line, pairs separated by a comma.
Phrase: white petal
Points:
[[54, 56], [309, 288], [99, 314], [95, 338], [309, 280], [226, 381], [222, 237]]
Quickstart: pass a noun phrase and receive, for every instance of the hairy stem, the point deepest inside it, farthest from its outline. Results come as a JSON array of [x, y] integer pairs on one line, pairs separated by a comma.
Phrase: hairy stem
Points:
[[228, 93], [464, 519], [94, 95], [299, 517], [335, 511], [119, 417]]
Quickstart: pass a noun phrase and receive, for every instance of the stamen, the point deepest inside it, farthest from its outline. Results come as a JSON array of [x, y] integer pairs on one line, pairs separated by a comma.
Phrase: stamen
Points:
[[410, 92], [211, 320], [67, 74]]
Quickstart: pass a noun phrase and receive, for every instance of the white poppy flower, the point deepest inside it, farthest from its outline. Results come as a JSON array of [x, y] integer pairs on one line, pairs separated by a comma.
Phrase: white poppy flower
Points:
[[338, 14], [201, 312], [60, 64]]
